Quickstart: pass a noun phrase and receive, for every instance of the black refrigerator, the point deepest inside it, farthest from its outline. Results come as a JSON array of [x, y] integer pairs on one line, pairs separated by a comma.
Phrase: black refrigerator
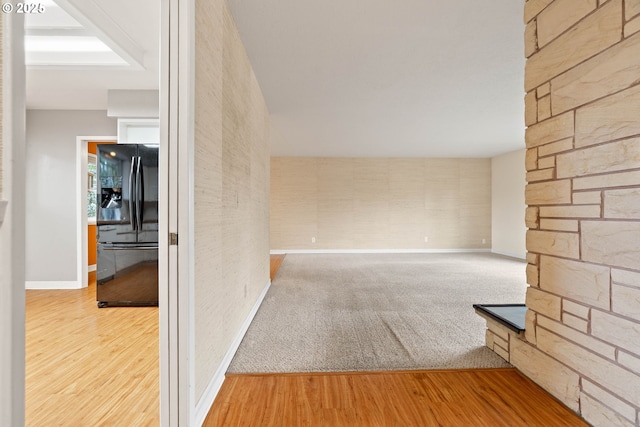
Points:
[[127, 225]]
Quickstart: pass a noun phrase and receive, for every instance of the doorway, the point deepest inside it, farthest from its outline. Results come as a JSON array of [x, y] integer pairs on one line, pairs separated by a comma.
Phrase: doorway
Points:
[[95, 321], [85, 145], [12, 238]]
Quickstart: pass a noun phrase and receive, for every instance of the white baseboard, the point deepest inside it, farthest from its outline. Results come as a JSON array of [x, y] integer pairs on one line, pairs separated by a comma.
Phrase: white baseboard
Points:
[[509, 254], [374, 251], [31, 284], [92, 268], [204, 405]]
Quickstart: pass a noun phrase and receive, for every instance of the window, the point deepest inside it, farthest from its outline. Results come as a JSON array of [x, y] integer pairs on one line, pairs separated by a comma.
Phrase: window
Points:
[[92, 188]]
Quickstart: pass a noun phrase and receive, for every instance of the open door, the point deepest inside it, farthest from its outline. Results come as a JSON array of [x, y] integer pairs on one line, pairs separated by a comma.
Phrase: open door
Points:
[[176, 134]]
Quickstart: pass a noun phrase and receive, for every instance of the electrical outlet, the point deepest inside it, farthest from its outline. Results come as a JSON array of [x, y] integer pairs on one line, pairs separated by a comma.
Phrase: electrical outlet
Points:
[[484, 241], [426, 239], [313, 240]]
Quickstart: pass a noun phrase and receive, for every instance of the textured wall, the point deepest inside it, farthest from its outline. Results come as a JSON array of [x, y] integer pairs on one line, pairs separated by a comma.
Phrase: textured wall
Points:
[[583, 168], [370, 203], [231, 180], [507, 204]]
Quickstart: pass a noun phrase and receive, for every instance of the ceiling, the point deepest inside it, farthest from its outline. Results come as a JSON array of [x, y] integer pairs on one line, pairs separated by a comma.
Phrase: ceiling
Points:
[[131, 28], [345, 78]]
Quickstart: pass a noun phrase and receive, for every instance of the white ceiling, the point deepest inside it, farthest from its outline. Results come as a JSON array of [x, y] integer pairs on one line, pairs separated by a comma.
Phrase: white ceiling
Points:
[[345, 78], [387, 78], [131, 27]]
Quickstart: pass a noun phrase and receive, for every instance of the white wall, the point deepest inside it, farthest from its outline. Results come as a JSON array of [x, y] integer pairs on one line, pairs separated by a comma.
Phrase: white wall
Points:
[[51, 200], [508, 179]]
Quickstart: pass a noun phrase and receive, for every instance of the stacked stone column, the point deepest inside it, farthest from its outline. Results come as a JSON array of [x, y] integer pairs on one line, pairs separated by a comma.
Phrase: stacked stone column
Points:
[[582, 83]]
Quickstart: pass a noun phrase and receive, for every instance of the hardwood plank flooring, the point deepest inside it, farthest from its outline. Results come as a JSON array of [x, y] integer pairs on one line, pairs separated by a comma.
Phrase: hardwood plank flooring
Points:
[[489, 397], [87, 366], [276, 262], [99, 367]]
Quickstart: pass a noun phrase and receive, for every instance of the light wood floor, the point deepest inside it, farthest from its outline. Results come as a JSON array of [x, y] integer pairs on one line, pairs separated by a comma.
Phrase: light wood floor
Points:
[[92, 367], [486, 397], [469, 398], [87, 366], [276, 262], [99, 367]]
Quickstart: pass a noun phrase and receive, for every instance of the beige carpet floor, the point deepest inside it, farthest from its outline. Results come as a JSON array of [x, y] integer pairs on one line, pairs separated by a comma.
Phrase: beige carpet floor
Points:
[[361, 312]]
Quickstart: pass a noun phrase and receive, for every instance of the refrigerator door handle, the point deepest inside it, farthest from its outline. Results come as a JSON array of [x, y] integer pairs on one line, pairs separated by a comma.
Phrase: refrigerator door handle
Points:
[[139, 194], [131, 195]]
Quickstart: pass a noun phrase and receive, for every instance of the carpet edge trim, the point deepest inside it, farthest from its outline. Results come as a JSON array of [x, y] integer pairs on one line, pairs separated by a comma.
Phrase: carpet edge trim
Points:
[[354, 373]]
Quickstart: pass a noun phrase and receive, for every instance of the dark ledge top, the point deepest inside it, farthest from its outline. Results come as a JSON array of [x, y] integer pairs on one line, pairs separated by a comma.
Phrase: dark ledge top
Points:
[[510, 315]]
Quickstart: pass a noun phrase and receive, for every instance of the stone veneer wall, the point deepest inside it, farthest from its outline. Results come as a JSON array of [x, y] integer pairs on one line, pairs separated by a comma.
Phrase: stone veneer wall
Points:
[[499, 338], [582, 84]]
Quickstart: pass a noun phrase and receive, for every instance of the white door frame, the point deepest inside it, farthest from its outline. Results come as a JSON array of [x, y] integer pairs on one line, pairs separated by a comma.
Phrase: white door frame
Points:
[[177, 400], [12, 228], [176, 372], [82, 222]]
